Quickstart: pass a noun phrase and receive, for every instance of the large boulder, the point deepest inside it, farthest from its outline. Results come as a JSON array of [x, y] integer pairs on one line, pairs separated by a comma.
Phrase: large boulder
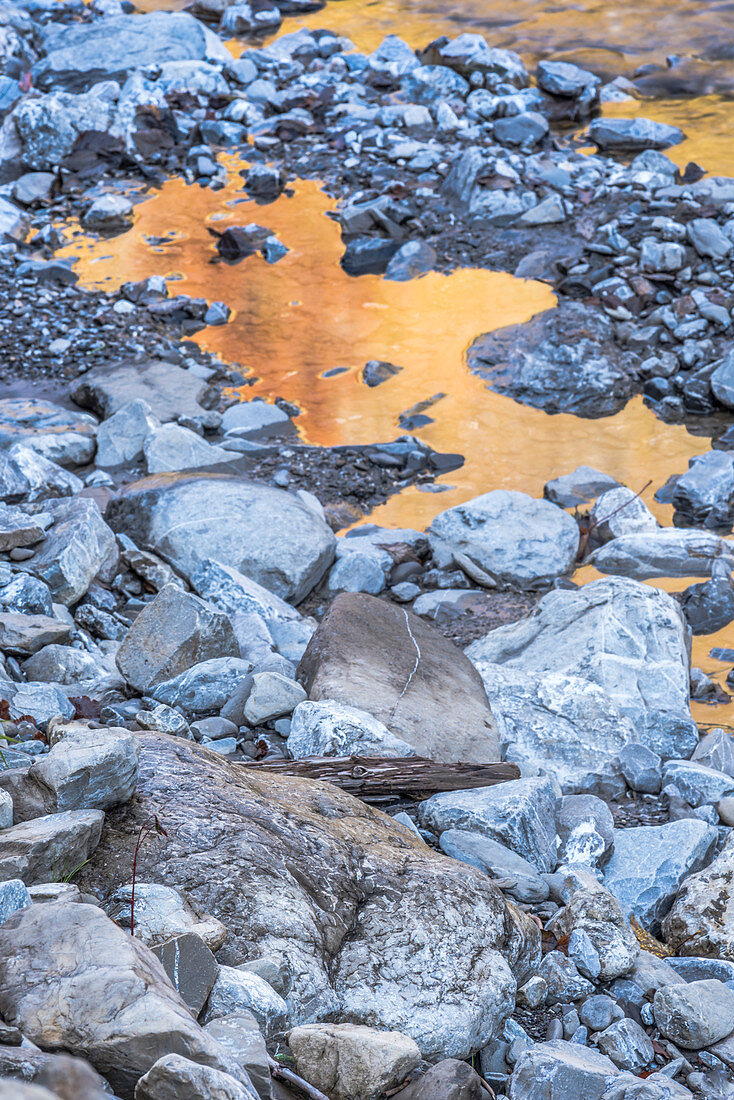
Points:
[[265, 533], [625, 637], [413, 941], [510, 536], [379, 657], [80, 54], [171, 634], [70, 979], [701, 921], [563, 360], [168, 391]]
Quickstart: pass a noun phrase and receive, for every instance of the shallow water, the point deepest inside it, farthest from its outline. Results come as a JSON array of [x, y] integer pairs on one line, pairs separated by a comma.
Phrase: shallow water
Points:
[[297, 319]]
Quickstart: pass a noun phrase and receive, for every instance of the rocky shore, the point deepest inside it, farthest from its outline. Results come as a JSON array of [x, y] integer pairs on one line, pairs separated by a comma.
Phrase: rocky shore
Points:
[[291, 803]]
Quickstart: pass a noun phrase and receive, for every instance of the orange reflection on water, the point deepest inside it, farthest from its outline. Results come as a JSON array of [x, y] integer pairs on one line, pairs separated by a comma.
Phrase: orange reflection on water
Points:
[[303, 316]]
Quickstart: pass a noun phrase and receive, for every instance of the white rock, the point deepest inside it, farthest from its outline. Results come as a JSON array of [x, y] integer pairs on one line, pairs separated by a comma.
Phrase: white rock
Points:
[[328, 728]]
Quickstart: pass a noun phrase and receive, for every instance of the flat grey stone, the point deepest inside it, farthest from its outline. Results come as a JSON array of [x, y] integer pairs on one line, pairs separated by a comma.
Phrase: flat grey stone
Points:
[[695, 1014], [51, 846], [191, 967], [519, 879]]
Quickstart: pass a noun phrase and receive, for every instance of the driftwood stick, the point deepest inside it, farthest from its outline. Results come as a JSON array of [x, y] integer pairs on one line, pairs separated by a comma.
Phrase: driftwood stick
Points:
[[285, 1074], [373, 776]]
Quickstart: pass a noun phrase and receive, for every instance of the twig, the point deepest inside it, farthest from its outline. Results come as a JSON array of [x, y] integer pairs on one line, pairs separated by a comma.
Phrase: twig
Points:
[[293, 1079], [597, 523]]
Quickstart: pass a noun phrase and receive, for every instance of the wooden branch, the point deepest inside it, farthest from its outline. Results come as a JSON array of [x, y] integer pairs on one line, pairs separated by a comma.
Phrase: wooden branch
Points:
[[285, 1074], [376, 776]]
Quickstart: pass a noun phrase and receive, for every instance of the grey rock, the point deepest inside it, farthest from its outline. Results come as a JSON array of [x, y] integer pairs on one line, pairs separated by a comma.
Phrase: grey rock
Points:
[[592, 910], [190, 966], [242, 991], [85, 52], [633, 134], [121, 436], [170, 392], [581, 486], [695, 1014], [666, 553], [709, 607], [650, 862], [164, 719], [699, 784], [18, 529], [705, 493], [271, 696], [70, 978], [61, 664], [78, 548], [585, 829], [363, 655], [206, 687], [356, 572], [600, 1012], [562, 360], [620, 512], [520, 814], [700, 920], [377, 371], [352, 1062], [393, 56], [526, 129], [245, 876], [172, 633], [628, 1046], [328, 728], [708, 239], [667, 256], [563, 980], [716, 750], [54, 432], [174, 1076], [509, 535], [722, 381], [468, 53], [625, 637], [251, 418], [162, 913], [108, 213], [241, 1037], [692, 969], [269, 535], [42, 701], [89, 769], [564, 79], [172, 447], [519, 878], [22, 635], [28, 476], [6, 810], [13, 893], [49, 847], [27, 595], [641, 768], [58, 1076]]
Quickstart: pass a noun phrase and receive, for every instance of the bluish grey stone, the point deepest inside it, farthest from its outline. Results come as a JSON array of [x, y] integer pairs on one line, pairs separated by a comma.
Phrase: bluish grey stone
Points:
[[240, 990], [206, 687], [650, 862], [599, 1012], [716, 750], [628, 1045], [13, 896], [693, 969], [708, 239], [327, 728], [564, 981], [520, 814], [564, 79], [519, 879], [695, 1014], [699, 784], [249, 418], [627, 134], [642, 768]]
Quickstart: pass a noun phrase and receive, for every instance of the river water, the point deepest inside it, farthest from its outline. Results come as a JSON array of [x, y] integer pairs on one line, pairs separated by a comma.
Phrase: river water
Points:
[[294, 322]]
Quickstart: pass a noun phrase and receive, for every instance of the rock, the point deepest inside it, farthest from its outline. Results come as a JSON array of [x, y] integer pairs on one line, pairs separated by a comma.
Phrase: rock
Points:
[[22, 635], [379, 657], [54, 846], [699, 784], [332, 729], [449, 1079], [709, 607], [270, 536], [172, 447], [245, 601], [650, 862], [356, 572], [633, 134], [413, 259], [169, 392], [18, 1091], [562, 979], [378, 371], [240, 1036], [600, 1012], [250, 418], [350, 1062], [593, 910], [238, 990], [519, 878], [525, 129], [89, 769], [78, 548], [716, 750], [563, 360], [700, 920], [6, 810], [620, 512], [562, 1071], [628, 1046], [561, 78], [585, 828], [560, 726], [695, 1014], [162, 913], [42, 702], [271, 696], [61, 664], [234, 836], [206, 687], [82, 53], [707, 239], [581, 486], [18, 529], [722, 381], [109, 213], [468, 53], [70, 978], [394, 57], [520, 814], [121, 436], [51, 430], [27, 596], [510, 536], [28, 476], [704, 495], [641, 768], [549, 211], [13, 892], [64, 1077], [665, 553], [173, 1077], [172, 633]]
